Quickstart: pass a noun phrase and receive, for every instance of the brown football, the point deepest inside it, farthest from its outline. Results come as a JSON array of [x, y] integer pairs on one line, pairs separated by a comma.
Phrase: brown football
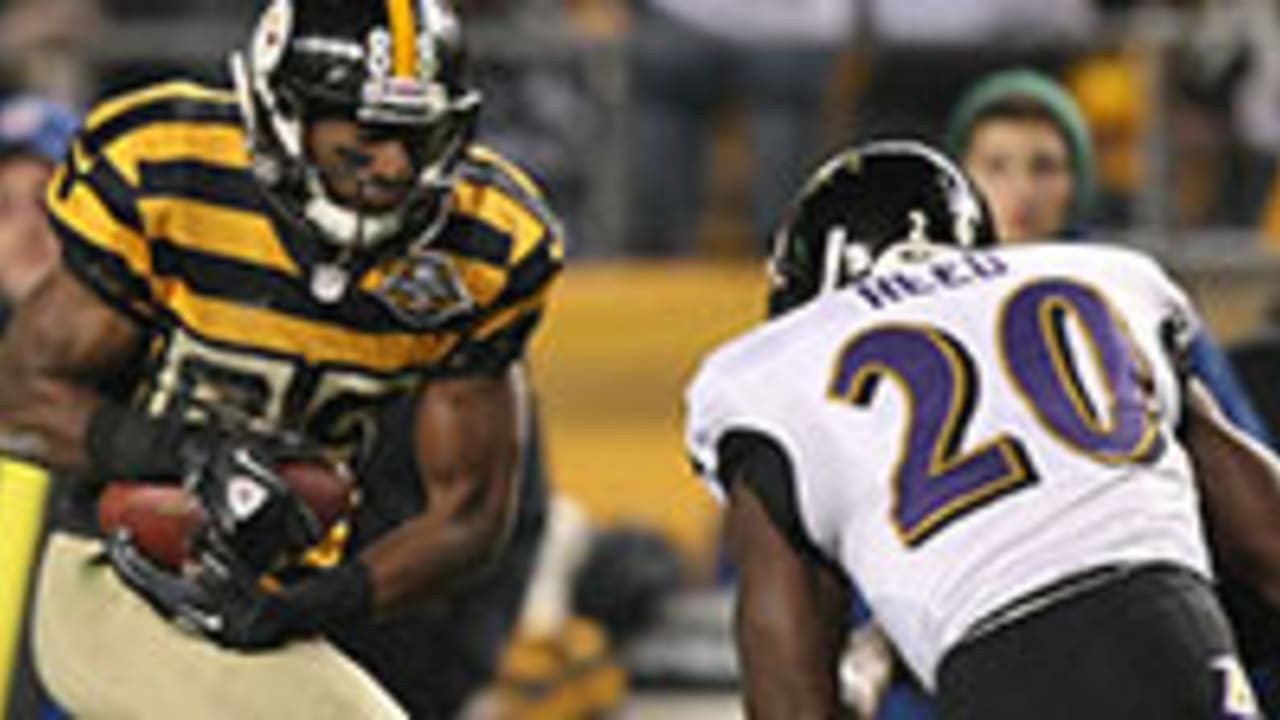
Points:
[[163, 519], [326, 488]]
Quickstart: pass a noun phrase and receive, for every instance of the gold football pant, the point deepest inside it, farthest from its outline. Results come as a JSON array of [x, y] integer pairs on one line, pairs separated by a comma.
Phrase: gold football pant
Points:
[[104, 653]]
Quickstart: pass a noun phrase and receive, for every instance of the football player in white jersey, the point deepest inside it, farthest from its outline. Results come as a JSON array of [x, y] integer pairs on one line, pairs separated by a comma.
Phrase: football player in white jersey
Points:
[[998, 445]]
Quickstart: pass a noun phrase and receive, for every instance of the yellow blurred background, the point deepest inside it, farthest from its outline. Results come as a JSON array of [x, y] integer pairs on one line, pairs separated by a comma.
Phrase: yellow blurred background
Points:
[[620, 343]]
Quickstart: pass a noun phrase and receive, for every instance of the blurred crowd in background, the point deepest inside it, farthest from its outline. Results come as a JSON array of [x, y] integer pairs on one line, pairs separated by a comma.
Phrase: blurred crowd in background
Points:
[[679, 127]]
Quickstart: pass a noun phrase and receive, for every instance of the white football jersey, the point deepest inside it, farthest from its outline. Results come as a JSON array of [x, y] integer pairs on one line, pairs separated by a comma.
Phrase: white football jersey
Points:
[[966, 430]]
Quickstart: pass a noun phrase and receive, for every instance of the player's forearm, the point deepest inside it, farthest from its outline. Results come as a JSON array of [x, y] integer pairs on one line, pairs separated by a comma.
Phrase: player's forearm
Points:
[[1240, 484], [458, 538], [783, 679], [787, 630], [789, 647], [467, 440]]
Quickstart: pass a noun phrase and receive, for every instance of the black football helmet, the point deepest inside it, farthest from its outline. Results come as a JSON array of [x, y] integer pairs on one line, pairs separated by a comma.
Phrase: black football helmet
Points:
[[395, 66], [893, 198]]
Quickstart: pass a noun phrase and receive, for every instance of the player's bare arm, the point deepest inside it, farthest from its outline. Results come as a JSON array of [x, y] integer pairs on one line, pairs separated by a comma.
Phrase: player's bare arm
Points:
[[467, 433], [468, 439], [787, 621], [1240, 484], [61, 339]]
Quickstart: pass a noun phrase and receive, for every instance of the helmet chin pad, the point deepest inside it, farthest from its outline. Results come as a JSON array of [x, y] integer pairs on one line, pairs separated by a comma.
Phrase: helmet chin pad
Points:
[[350, 228]]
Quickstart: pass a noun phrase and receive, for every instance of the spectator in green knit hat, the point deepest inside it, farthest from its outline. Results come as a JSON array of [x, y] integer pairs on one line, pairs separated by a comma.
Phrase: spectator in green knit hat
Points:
[[1025, 142]]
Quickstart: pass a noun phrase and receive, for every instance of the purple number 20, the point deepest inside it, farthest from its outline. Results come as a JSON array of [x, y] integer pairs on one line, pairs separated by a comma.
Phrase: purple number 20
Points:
[[936, 480]]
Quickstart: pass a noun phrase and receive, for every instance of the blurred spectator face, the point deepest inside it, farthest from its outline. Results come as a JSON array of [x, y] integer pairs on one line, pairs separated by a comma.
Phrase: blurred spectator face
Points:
[[1023, 166], [28, 249], [34, 135]]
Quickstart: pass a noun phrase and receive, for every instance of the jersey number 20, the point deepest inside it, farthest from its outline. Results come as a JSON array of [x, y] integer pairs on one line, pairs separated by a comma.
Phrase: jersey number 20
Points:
[[938, 478]]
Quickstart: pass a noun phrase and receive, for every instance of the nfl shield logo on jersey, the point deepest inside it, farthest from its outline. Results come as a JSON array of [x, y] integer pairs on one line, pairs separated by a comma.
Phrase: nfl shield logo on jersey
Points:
[[424, 291]]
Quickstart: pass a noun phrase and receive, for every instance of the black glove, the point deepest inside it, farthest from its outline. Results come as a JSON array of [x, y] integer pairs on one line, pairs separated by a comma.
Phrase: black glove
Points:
[[253, 514], [230, 471], [210, 597], [219, 598]]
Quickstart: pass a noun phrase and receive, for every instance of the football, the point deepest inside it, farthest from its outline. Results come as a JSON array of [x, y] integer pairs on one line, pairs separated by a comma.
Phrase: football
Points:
[[163, 519], [328, 489]]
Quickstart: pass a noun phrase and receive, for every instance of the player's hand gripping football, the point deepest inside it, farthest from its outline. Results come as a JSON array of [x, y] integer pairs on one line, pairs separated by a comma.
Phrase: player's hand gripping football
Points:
[[215, 596], [255, 522], [253, 514]]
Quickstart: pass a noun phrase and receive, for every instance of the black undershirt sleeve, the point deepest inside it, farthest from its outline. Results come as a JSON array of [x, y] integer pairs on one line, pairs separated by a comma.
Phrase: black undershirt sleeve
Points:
[[761, 462]]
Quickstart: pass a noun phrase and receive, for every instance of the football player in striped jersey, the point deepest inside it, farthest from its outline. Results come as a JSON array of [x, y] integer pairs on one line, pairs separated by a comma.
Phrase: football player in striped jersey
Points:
[[273, 267]]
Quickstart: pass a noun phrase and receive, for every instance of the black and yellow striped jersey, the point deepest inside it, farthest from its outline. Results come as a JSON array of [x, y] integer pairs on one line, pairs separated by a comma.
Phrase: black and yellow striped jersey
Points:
[[161, 215]]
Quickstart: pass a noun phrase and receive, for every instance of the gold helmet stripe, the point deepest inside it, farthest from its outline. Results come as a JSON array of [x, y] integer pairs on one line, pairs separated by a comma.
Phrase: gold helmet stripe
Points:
[[404, 38]]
